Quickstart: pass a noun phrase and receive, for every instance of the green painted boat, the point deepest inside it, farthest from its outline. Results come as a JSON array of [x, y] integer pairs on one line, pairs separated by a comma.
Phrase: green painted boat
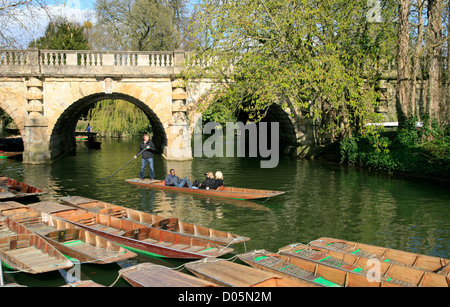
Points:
[[149, 241], [151, 220]]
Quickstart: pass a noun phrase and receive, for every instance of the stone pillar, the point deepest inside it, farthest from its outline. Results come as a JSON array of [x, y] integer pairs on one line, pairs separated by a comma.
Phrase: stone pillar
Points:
[[35, 138], [179, 136]]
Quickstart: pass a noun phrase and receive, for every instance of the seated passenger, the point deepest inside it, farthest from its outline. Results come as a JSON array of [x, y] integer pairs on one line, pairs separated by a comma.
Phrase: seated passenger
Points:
[[209, 182], [174, 180], [218, 182]]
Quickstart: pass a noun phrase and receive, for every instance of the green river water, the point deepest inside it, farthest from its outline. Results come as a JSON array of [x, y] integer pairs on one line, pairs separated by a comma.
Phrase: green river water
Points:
[[321, 199]]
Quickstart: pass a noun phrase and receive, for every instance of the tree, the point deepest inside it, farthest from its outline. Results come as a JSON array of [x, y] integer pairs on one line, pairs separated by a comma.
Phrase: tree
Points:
[[319, 56], [20, 21], [403, 89], [62, 35], [118, 118], [435, 10], [139, 25], [421, 39]]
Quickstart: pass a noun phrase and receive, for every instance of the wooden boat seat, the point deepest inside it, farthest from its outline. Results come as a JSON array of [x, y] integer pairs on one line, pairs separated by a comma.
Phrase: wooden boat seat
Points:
[[108, 229], [6, 233], [31, 256], [114, 211], [92, 250], [167, 224]]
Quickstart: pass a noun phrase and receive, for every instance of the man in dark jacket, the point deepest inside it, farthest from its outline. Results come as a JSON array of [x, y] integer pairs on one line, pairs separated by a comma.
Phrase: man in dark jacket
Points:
[[147, 156], [174, 180]]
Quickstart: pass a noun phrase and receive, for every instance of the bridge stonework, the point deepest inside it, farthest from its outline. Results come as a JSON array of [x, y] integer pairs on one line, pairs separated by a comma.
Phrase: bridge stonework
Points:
[[46, 91]]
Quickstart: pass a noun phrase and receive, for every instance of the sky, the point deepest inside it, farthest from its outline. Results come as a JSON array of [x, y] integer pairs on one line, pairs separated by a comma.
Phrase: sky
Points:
[[27, 23], [73, 10]]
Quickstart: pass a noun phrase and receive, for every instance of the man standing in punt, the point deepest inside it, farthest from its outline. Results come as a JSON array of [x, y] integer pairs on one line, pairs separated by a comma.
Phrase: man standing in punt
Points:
[[147, 148]]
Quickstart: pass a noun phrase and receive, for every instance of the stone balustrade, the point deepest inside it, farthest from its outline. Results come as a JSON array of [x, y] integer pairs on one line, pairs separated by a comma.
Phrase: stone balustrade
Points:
[[85, 63]]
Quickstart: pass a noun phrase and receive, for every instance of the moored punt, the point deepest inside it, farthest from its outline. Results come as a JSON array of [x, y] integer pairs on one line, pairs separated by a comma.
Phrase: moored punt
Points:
[[419, 261], [10, 154], [25, 251], [85, 246], [149, 241], [73, 242], [401, 275], [151, 220], [310, 271], [150, 275], [223, 191], [11, 188], [231, 274]]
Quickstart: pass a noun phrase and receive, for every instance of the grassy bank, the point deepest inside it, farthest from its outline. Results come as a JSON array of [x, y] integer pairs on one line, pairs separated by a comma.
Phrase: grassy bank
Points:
[[410, 150]]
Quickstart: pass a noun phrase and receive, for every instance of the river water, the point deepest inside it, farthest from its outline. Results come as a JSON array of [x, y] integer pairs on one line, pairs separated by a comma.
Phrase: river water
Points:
[[321, 199]]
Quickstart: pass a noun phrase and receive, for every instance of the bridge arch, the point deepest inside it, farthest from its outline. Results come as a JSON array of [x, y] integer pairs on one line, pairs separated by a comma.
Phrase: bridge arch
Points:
[[62, 135], [12, 102], [292, 129], [287, 131]]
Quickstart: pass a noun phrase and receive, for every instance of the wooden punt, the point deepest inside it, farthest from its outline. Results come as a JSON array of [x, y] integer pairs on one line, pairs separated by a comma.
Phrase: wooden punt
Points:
[[73, 242], [150, 275], [223, 191], [11, 188], [401, 275], [419, 261], [10, 154], [149, 241], [151, 220], [309, 271], [231, 274], [22, 250]]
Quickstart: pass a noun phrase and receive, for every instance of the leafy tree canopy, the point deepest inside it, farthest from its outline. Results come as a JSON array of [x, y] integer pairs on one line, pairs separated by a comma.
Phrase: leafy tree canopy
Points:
[[62, 35], [320, 56]]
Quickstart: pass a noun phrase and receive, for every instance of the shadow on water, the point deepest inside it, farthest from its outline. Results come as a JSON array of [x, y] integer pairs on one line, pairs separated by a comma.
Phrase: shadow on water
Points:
[[321, 199]]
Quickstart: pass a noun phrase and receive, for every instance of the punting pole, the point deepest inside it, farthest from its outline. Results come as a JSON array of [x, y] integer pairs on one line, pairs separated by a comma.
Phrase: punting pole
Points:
[[128, 162]]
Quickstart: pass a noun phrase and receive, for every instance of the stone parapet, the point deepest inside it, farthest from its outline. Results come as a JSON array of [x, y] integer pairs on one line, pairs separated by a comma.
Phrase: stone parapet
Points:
[[90, 63]]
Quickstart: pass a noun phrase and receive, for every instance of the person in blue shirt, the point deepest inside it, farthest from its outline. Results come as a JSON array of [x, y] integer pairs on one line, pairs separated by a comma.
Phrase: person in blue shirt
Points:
[[174, 180]]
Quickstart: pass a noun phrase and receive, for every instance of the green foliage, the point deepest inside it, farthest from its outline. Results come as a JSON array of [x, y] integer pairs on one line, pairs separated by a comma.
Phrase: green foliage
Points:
[[219, 113], [143, 25], [62, 35], [6, 119], [118, 118], [409, 150], [320, 56]]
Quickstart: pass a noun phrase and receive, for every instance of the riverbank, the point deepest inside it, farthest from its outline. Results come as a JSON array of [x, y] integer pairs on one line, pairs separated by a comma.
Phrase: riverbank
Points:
[[423, 153]]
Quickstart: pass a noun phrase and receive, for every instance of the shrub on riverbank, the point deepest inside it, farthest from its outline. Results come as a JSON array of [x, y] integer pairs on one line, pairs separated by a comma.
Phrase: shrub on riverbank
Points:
[[422, 151]]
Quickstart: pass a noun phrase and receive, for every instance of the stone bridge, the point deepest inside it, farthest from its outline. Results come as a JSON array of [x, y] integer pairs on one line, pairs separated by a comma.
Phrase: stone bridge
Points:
[[46, 91]]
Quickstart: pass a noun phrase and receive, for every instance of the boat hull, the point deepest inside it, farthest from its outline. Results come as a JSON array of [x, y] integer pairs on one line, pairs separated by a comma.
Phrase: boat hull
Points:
[[158, 242], [151, 220], [423, 262], [398, 274], [144, 248], [224, 192], [150, 275], [75, 244], [11, 188], [230, 274], [22, 250]]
